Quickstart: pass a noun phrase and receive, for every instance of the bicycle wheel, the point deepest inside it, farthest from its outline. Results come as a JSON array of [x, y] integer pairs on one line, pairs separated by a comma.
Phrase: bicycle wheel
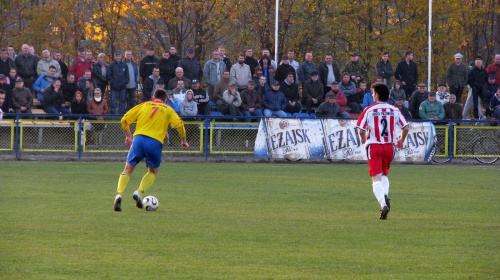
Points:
[[441, 158], [485, 146]]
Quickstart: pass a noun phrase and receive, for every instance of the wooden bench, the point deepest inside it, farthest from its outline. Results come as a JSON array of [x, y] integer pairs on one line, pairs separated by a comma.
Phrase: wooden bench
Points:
[[45, 124]]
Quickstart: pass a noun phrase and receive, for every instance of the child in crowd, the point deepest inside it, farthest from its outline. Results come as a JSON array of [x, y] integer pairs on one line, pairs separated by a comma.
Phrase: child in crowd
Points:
[[441, 95]]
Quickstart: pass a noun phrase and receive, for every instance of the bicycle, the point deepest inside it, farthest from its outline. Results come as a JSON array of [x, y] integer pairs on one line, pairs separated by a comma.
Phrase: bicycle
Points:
[[480, 147]]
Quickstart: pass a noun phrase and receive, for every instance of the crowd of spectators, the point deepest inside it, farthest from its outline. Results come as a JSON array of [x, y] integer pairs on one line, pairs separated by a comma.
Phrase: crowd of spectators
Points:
[[244, 90]]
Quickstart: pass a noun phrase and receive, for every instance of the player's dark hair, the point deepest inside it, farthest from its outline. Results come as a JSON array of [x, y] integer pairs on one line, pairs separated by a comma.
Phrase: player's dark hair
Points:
[[382, 90], [160, 94]]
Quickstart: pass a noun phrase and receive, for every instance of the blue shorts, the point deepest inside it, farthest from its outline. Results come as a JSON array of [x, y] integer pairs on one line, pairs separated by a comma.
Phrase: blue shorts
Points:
[[145, 147]]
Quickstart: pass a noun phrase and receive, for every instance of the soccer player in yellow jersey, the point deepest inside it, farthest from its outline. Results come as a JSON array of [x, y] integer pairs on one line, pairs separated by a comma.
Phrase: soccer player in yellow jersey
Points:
[[153, 119]]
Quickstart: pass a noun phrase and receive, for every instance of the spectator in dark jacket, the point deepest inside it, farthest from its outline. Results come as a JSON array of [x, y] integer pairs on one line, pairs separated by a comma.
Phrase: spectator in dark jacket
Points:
[[250, 61], [452, 110], [100, 72], [22, 99], [69, 87], [489, 89], [307, 68], [167, 67], [147, 64], [419, 96], [118, 78], [384, 69], [26, 64], [312, 92], [78, 105], [329, 72], [274, 102], [456, 77], [201, 97], [6, 63], [283, 70], [251, 102], [62, 65], [149, 84], [476, 79], [53, 100], [407, 73], [192, 67], [329, 108], [348, 88], [400, 103], [291, 91]]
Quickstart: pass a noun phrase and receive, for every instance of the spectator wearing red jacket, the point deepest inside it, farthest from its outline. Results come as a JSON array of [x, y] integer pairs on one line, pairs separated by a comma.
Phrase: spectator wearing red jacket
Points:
[[80, 64]]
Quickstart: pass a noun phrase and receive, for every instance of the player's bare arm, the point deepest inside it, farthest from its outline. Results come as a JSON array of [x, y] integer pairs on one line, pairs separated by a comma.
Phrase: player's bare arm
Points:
[[128, 138], [404, 132], [362, 135]]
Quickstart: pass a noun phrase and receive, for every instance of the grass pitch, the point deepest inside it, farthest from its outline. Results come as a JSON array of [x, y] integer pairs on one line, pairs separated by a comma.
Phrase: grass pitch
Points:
[[249, 221]]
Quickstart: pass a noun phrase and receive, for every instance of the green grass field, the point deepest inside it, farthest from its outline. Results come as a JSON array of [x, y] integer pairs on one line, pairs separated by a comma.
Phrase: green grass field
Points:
[[249, 221]]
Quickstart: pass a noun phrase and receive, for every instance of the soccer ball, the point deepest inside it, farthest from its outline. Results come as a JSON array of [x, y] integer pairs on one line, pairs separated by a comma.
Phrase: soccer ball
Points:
[[150, 203]]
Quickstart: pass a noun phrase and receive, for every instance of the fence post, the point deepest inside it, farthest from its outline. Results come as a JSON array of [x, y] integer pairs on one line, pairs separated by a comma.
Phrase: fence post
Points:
[[206, 126], [79, 140], [451, 129], [17, 135]]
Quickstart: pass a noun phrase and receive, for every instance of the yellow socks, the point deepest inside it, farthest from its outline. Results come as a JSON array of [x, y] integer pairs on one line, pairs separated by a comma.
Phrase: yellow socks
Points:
[[122, 183], [146, 182]]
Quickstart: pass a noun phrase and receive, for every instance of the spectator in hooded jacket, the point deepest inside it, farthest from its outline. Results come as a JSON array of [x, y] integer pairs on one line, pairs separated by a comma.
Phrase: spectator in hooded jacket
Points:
[[188, 106], [264, 69]]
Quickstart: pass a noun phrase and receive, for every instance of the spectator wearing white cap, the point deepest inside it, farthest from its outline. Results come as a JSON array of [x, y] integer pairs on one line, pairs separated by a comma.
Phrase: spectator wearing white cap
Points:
[[456, 77]]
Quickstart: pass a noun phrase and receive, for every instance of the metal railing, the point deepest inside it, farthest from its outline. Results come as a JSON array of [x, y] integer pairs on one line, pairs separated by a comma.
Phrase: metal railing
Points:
[[205, 134]]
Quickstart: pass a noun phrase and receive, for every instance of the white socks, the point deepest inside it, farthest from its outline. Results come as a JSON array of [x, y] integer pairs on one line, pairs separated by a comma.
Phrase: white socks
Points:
[[385, 184], [378, 191]]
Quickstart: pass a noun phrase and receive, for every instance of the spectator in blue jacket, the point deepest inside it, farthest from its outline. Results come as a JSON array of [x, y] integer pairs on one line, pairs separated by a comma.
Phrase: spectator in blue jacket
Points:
[[172, 102], [118, 78], [367, 100], [274, 102], [43, 82]]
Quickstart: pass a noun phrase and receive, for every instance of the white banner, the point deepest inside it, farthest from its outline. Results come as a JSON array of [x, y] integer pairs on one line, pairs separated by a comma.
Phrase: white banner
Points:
[[334, 139]]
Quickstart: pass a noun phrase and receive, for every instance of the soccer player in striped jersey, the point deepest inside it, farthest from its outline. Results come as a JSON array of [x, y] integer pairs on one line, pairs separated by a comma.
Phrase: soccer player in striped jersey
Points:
[[376, 128], [153, 119]]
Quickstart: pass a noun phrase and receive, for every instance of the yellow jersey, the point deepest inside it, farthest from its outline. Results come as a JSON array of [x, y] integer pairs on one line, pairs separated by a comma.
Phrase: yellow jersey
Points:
[[153, 119]]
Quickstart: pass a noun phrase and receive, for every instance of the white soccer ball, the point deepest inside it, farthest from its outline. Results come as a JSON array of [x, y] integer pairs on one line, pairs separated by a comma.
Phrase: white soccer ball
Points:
[[150, 203]]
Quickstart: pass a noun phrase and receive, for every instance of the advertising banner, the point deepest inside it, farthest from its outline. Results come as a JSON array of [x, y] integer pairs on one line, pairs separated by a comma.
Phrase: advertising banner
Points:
[[334, 139]]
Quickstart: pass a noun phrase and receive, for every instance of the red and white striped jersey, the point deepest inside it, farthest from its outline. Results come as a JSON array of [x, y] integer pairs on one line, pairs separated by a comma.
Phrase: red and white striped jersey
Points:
[[380, 119]]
